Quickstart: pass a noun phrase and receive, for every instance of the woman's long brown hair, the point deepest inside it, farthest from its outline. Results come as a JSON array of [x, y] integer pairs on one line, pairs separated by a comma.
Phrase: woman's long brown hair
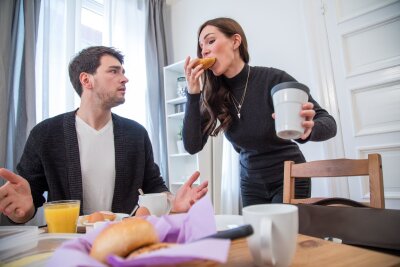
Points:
[[215, 96]]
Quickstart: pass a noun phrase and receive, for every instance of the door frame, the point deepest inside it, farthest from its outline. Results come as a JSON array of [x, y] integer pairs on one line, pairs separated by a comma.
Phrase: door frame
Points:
[[322, 68]]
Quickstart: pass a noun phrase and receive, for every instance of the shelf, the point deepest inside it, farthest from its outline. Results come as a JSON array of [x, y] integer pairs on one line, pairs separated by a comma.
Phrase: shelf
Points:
[[180, 155], [178, 100], [176, 67], [181, 165], [179, 115]]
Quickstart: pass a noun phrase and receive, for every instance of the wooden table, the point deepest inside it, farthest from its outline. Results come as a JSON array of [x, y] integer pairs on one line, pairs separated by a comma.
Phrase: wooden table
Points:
[[317, 252], [311, 252]]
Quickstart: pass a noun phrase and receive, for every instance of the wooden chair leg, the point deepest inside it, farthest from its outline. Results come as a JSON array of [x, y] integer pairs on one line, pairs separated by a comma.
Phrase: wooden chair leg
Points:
[[288, 183], [376, 181]]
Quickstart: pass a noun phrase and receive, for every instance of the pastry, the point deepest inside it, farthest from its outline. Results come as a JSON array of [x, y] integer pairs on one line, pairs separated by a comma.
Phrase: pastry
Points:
[[207, 62], [122, 238]]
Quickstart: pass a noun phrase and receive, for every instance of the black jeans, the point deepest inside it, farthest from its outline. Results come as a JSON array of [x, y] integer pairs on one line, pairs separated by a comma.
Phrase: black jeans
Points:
[[262, 193]]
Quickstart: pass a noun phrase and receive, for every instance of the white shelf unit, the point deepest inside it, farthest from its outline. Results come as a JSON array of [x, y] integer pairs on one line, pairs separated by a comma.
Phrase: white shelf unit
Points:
[[181, 165]]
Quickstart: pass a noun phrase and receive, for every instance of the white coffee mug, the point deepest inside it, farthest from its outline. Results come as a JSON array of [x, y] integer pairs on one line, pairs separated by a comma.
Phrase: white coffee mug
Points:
[[275, 233], [157, 203], [288, 98]]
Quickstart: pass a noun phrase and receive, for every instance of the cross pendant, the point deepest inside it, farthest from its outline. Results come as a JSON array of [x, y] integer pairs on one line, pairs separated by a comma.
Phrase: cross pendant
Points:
[[239, 115]]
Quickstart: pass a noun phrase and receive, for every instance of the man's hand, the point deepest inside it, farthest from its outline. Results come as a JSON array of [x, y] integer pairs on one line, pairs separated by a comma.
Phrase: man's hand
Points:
[[15, 197], [187, 195]]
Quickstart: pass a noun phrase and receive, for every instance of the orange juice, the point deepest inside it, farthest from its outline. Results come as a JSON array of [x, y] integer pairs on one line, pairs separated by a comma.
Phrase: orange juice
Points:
[[62, 216]]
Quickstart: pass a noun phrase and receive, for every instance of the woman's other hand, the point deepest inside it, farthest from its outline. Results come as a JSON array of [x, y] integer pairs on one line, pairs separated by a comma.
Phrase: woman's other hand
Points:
[[308, 113]]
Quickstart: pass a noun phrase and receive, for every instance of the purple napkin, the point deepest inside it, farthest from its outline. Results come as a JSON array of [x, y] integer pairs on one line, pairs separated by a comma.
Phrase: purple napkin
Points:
[[185, 228]]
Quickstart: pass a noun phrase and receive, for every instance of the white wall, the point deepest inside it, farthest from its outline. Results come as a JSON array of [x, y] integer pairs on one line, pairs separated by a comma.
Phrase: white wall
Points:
[[276, 35], [274, 29]]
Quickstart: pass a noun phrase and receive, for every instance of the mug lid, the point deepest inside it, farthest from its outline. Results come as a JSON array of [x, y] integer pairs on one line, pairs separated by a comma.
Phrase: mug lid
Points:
[[289, 85]]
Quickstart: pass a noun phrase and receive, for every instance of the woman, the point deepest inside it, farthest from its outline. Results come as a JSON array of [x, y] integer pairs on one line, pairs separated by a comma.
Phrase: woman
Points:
[[236, 99]]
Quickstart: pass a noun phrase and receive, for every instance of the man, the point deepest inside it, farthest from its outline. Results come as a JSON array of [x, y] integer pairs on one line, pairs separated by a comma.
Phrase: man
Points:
[[90, 154]]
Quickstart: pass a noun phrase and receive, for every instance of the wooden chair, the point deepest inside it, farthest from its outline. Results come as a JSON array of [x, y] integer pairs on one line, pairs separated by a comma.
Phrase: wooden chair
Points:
[[336, 168]]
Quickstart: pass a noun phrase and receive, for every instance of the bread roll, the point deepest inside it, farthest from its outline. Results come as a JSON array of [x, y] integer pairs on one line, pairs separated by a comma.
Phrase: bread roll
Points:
[[94, 217], [108, 215], [99, 216], [149, 248], [207, 62], [123, 237]]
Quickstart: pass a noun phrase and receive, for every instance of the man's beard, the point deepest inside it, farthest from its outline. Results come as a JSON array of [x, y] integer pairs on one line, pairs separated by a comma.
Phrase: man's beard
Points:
[[112, 103], [116, 103]]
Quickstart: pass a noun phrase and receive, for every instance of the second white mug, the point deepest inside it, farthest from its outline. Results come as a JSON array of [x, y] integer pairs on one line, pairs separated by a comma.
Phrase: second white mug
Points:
[[157, 203], [275, 233]]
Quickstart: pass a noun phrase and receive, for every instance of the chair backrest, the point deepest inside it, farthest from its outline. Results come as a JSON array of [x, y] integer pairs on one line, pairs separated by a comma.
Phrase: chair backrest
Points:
[[371, 167]]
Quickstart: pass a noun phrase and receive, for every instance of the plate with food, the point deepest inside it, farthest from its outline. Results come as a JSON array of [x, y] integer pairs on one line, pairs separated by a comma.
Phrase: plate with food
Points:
[[100, 216]]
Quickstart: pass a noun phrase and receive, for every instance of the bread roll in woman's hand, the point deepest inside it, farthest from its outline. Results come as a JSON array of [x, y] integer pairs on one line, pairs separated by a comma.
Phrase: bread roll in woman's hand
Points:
[[207, 62], [122, 238]]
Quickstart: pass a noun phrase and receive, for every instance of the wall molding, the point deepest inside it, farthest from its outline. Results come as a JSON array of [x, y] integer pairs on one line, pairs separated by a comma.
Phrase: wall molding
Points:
[[362, 153], [385, 126], [352, 71], [370, 9]]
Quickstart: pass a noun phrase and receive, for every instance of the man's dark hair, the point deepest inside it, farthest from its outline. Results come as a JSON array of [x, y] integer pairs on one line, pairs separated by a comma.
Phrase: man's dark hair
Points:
[[88, 60]]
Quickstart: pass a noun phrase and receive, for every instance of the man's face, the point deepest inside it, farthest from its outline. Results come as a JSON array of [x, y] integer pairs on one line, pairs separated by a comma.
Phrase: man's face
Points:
[[109, 82]]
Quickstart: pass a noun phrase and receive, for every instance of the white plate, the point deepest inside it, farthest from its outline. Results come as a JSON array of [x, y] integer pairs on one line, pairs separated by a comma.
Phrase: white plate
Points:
[[226, 222], [117, 218], [44, 246]]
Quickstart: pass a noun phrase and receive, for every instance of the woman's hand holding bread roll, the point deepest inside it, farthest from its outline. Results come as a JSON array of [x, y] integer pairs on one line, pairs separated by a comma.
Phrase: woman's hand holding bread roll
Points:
[[194, 69]]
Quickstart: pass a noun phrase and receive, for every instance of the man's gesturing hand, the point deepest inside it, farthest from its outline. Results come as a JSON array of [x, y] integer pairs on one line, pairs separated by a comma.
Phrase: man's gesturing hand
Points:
[[187, 195], [15, 197]]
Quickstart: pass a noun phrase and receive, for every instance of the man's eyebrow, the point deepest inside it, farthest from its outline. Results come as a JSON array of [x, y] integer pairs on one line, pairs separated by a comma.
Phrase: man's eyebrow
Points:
[[116, 67]]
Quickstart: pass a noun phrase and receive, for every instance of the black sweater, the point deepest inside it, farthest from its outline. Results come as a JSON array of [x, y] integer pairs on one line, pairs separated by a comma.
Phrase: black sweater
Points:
[[262, 153], [50, 162]]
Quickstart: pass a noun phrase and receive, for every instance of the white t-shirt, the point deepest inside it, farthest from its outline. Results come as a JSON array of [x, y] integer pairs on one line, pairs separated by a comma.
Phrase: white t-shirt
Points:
[[97, 157]]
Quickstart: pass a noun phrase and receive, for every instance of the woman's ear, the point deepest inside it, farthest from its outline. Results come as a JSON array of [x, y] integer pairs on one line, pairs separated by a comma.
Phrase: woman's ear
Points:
[[237, 40], [86, 81]]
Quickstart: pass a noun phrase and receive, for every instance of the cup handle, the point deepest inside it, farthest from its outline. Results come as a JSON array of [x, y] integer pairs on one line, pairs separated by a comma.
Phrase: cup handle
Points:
[[169, 205], [267, 255]]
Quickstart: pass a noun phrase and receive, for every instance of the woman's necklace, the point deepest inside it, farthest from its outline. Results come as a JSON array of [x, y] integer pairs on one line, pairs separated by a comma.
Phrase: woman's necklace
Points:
[[238, 105]]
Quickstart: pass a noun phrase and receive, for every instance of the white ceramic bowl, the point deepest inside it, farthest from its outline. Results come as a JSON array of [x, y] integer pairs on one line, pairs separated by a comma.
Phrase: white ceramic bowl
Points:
[[225, 222]]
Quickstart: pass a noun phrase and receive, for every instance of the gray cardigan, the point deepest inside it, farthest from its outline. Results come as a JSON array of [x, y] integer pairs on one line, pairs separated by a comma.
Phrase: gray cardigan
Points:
[[50, 162]]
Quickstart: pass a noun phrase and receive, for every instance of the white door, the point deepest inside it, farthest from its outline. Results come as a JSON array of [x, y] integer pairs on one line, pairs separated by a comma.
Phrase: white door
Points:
[[364, 43]]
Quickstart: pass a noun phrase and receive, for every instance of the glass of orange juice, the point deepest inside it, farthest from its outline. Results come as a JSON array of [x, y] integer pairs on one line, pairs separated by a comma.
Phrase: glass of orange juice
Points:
[[62, 216]]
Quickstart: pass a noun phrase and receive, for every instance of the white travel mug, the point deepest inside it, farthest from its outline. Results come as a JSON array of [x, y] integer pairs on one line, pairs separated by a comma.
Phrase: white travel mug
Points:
[[288, 98]]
